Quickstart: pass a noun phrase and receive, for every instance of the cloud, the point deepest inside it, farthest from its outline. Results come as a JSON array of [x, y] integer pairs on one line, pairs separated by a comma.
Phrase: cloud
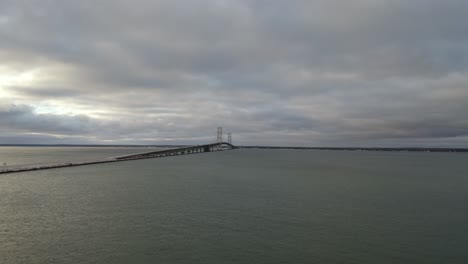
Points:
[[23, 118], [276, 72]]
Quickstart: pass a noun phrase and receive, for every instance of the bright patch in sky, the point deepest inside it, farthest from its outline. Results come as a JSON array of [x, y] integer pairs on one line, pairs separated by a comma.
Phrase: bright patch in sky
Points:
[[9, 79]]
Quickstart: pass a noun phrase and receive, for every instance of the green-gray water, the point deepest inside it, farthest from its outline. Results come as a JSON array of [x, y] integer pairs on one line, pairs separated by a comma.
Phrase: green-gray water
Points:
[[17, 156], [242, 206]]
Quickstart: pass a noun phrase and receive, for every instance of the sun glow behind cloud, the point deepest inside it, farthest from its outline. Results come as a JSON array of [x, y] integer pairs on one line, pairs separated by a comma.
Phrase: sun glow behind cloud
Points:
[[27, 86], [10, 78]]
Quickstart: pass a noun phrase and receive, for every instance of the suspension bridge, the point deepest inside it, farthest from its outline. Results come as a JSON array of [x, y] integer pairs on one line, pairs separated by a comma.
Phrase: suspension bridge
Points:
[[220, 145]]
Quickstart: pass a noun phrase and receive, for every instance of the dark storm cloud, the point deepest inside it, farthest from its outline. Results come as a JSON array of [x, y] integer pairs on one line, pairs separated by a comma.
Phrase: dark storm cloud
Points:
[[317, 72], [44, 92], [23, 118]]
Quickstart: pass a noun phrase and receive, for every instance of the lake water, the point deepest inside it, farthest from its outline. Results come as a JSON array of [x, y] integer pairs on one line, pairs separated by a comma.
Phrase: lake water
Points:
[[20, 156], [240, 206]]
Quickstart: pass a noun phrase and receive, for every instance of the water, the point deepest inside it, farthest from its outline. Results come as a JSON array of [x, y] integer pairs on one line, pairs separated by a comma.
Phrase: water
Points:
[[25, 156], [241, 206]]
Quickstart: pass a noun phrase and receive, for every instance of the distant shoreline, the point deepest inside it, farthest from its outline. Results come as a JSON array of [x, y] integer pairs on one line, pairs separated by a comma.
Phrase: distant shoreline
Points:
[[401, 149]]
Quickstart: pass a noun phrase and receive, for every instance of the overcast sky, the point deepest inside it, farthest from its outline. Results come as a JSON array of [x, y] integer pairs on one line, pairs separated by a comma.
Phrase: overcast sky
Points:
[[272, 72]]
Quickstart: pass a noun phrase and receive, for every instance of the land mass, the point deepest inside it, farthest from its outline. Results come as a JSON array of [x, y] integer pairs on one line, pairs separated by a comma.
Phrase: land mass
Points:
[[413, 149]]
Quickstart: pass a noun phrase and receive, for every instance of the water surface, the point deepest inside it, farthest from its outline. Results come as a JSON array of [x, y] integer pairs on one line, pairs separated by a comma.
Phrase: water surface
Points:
[[23, 156], [241, 206]]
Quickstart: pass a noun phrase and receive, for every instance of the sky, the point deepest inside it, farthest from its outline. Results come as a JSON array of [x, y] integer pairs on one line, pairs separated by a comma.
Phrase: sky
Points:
[[373, 73]]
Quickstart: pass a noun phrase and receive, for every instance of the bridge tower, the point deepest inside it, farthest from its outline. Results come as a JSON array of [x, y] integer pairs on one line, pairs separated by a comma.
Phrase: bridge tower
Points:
[[220, 135], [229, 138]]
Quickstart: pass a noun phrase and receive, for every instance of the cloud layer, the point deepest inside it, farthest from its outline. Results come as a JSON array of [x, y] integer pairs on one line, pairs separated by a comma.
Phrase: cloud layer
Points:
[[313, 73]]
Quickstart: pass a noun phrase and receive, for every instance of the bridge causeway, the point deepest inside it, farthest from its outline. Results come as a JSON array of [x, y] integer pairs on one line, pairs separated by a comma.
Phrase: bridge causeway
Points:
[[219, 146]]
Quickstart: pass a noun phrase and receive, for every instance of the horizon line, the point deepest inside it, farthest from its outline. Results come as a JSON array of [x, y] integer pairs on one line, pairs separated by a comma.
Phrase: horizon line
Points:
[[409, 148]]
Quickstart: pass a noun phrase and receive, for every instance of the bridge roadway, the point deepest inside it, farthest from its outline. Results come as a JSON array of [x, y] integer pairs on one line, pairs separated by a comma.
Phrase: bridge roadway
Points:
[[146, 155], [179, 151]]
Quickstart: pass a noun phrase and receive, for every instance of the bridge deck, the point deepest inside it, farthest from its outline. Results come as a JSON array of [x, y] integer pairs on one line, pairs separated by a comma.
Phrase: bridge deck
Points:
[[146, 155]]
